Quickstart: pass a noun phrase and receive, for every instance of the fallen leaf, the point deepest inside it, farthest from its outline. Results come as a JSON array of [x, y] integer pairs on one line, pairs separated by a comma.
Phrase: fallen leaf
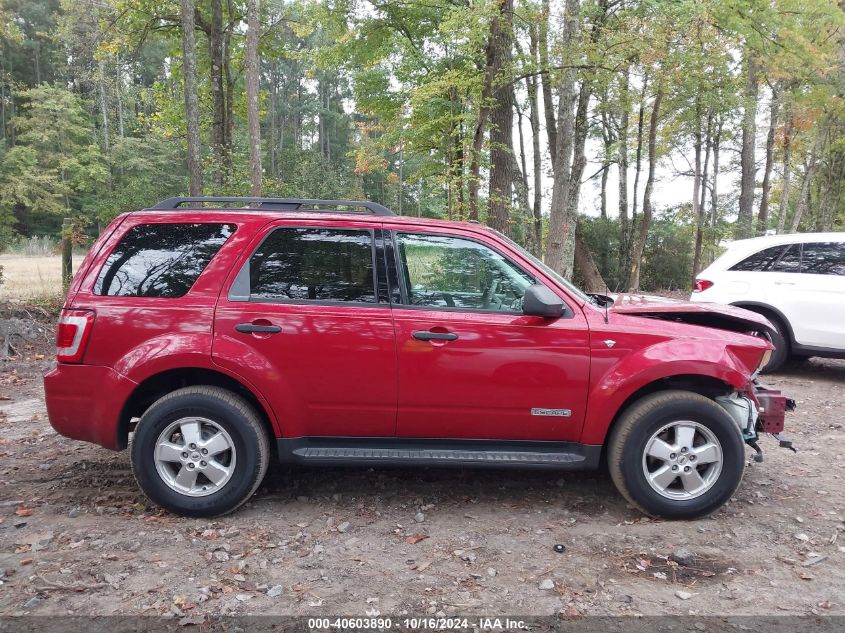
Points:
[[415, 538], [26, 561], [423, 566], [21, 511]]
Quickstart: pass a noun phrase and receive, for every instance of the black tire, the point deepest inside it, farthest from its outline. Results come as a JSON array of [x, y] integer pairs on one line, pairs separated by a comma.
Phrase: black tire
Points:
[[628, 443], [251, 447], [780, 339]]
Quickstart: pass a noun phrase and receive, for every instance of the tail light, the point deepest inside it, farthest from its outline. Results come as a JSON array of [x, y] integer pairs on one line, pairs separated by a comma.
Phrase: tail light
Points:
[[701, 285], [72, 335]]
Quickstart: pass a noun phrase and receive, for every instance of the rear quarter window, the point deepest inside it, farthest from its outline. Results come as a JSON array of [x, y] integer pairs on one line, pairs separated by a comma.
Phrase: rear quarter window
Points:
[[160, 260], [824, 258]]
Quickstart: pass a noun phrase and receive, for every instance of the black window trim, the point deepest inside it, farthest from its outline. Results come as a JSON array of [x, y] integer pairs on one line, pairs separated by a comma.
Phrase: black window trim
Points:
[[240, 291], [568, 313]]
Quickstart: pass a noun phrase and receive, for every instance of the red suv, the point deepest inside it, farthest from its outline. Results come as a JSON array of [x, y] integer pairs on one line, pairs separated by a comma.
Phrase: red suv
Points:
[[335, 332]]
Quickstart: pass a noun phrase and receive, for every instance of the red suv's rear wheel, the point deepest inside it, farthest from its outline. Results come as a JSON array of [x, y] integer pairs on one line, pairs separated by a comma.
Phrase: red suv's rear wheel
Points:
[[200, 451], [676, 454]]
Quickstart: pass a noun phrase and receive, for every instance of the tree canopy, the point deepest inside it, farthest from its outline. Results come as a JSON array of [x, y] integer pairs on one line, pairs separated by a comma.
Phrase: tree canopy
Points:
[[562, 124]]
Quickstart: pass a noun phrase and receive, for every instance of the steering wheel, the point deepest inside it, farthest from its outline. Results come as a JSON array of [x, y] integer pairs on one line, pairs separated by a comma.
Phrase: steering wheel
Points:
[[489, 293]]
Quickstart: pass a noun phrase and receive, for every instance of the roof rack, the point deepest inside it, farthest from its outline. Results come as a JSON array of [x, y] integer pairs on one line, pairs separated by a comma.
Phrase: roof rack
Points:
[[278, 204]]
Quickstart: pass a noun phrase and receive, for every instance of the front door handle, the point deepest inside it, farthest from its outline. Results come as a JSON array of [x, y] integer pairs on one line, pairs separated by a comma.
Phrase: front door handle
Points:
[[425, 335], [252, 328]]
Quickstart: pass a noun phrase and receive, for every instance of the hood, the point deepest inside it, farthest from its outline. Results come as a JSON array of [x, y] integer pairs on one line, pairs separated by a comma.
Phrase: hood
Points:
[[715, 315]]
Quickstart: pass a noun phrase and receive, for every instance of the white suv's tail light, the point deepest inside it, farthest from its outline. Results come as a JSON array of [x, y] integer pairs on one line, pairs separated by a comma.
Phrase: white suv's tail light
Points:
[[72, 335], [701, 285]]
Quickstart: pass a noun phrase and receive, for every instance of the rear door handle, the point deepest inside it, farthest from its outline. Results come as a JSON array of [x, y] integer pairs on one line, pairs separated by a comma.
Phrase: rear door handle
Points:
[[424, 335], [251, 328], [784, 283]]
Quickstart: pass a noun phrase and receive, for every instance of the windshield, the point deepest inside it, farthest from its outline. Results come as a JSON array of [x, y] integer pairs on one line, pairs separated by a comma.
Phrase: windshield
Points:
[[551, 273]]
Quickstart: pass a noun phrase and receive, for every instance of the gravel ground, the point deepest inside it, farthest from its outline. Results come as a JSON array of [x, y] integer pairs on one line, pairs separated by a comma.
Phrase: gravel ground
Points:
[[77, 537]]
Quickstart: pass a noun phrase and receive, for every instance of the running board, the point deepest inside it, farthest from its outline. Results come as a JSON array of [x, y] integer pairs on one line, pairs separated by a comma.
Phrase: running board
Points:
[[345, 451]]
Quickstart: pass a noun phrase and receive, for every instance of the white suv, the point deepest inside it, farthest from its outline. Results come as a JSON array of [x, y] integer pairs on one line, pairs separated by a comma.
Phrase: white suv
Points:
[[797, 281]]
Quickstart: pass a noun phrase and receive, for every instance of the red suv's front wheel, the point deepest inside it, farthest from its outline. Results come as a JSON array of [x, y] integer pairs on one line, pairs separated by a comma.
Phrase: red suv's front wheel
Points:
[[200, 451], [676, 454]]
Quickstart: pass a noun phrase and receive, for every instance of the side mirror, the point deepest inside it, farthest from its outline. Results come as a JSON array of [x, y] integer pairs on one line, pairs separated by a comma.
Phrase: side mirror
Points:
[[542, 302]]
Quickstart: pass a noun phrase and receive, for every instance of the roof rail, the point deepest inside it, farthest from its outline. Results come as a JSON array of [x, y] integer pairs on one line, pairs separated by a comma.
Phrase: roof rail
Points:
[[279, 204]]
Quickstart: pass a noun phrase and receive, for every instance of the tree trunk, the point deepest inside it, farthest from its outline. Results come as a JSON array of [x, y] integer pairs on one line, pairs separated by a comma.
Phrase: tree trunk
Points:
[[586, 265], [714, 189], [579, 161], [561, 239], [622, 162], [809, 172], [218, 100], [274, 107], [520, 184], [104, 112], [537, 157], [607, 143], [763, 214], [645, 223], [639, 154], [501, 123], [697, 210], [229, 82], [831, 194], [546, 81], [192, 116], [252, 36], [745, 216], [119, 94], [520, 188], [699, 224], [490, 72], [787, 172]]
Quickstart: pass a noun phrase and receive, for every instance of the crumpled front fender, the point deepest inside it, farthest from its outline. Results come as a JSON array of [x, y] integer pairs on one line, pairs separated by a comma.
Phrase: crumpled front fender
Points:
[[613, 383]]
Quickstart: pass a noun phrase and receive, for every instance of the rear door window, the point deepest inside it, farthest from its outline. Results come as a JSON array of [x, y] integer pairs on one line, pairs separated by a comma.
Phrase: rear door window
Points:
[[762, 260], [824, 258], [790, 261], [314, 264], [160, 260]]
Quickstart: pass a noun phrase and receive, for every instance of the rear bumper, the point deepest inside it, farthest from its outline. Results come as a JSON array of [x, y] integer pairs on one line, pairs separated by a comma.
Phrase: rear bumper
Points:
[[84, 402]]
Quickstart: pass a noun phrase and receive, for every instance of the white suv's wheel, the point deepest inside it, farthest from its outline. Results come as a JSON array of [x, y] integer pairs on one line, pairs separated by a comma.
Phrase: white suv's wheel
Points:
[[200, 451], [781, 351]]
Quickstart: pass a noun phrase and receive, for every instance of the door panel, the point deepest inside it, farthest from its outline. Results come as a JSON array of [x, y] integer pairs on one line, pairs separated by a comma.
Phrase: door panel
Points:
[[485, 383], [471, 365], [818, 296], [312, 336]]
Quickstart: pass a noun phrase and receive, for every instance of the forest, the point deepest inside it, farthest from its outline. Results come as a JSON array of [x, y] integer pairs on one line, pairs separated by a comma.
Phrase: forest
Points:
[[556, 122]]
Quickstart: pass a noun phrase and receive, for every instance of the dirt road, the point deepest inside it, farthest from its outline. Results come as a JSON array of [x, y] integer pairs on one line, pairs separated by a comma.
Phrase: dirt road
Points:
[[77, 537]]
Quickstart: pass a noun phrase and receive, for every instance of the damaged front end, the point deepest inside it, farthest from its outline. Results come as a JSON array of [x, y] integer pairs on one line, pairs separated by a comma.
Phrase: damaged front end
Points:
[[760, 409], [755, 409]]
